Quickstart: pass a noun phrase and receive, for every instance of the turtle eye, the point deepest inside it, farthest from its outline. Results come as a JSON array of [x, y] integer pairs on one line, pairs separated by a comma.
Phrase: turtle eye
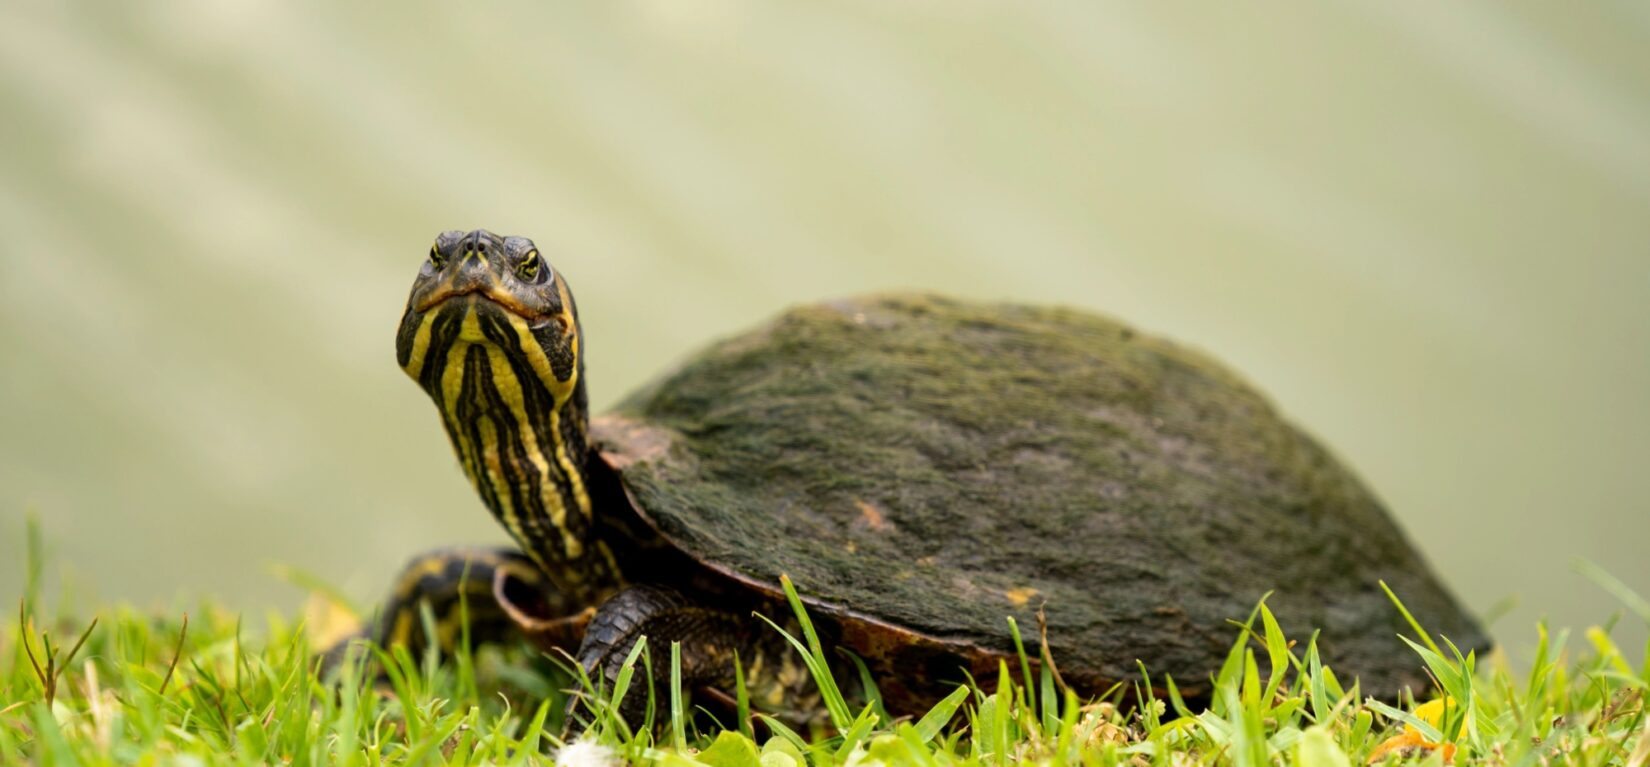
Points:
[[530, 267], [437, 260]]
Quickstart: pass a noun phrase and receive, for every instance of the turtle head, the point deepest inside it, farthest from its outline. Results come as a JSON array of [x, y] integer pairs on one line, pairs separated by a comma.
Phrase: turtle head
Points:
[[492, 335], [506, 273], [495, 301]]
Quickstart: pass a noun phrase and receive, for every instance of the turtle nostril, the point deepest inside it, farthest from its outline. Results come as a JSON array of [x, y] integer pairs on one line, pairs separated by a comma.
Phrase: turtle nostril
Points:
[[478, 242]]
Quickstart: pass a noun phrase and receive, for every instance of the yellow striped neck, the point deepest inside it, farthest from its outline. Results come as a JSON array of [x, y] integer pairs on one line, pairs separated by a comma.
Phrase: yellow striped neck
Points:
[[518, 422]]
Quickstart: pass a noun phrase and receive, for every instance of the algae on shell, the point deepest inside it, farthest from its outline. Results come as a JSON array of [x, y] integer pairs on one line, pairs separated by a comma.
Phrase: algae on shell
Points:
[[939, 465]]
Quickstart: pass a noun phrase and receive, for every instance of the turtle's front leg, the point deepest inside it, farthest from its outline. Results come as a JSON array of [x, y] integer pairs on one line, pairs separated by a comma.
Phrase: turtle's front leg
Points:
[[498, 590], [775, 677]]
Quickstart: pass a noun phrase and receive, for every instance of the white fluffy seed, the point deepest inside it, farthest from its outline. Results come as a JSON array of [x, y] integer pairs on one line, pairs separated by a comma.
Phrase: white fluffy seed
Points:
[[586, 753]]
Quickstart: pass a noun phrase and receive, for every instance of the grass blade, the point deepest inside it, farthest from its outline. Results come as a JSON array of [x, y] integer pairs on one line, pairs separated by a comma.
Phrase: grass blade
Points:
[[621, 683], [1621, 591], [742, 698], [1020, 650], [678, 724], [873, 694], [861, 727], [1413, 624], [940, 715], [813, 656]]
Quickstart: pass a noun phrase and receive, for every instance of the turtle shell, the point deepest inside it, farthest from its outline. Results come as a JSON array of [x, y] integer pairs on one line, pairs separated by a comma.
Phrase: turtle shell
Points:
[[924, 467]]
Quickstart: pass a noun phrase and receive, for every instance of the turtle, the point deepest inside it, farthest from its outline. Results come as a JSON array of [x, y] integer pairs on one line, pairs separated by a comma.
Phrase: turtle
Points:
[[922, 468]]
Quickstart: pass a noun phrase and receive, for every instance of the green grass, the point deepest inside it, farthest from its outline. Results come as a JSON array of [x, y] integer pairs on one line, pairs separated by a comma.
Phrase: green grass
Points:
[[163, 689]]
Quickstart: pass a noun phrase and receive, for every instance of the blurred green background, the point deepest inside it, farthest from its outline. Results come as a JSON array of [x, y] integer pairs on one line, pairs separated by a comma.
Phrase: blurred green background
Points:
[[1422, 227]]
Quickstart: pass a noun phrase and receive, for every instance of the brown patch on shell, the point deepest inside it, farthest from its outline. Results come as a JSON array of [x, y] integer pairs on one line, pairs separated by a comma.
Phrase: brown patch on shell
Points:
[[630, 442], [1020, 597], [871, 515]]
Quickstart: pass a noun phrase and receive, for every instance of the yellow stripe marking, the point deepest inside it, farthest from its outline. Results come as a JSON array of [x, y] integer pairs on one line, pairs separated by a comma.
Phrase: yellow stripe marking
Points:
[[403, 628], [485, 456], [507, 512], [504, 379], [452, 379], [540, 362], [421, 346], [561, 391], [452, 387], [413, 574]]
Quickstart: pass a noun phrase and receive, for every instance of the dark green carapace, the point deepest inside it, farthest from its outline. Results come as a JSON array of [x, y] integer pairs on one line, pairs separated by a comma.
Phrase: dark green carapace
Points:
[[937, 465]]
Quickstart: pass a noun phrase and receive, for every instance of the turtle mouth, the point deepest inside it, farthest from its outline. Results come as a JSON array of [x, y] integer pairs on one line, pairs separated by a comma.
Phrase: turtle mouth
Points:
[[479, 293]]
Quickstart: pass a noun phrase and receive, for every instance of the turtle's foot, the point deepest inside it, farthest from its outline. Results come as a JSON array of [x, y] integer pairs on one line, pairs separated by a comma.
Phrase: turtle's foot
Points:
[[710, 638]]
